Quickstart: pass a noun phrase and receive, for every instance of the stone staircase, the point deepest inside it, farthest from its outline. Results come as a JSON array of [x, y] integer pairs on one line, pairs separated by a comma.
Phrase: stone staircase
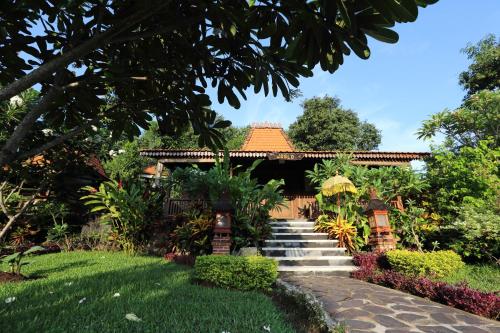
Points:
[[298, 249]]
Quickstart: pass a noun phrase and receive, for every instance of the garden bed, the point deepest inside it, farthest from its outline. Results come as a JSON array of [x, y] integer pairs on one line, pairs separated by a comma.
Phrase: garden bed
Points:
[[374, 268], [79, 294]]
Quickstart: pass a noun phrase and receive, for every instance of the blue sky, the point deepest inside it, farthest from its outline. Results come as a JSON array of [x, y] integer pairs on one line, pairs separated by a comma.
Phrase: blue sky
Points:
[[400, 84]]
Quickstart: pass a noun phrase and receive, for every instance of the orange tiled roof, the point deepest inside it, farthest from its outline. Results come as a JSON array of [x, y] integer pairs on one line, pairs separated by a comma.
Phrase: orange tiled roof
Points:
[[267, 137], [149, 170]]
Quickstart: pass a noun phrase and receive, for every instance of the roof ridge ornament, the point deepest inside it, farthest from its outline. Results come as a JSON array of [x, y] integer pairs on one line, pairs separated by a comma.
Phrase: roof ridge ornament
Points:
[[266, 124]]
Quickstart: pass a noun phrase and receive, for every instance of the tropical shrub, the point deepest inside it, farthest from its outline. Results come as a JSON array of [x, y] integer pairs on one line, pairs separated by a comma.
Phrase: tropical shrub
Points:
[[337, 228], [251, 201], [389, 182], [15, 260], [436, 264], [194, 235], [125, 209], [468, 176], [476, 233], [237, 272]]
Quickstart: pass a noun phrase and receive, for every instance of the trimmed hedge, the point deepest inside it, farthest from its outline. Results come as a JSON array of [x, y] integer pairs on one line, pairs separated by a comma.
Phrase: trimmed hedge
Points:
[[436, 264], [236, 272]]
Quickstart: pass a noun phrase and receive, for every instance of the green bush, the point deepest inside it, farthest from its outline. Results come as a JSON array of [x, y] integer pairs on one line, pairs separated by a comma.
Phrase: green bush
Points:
[[235, 272], [437, 264]]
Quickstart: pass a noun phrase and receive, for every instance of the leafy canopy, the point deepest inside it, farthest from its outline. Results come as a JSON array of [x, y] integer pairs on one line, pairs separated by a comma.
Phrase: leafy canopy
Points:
[[483, 73], [156, 58], [326, 125], [477, 119]]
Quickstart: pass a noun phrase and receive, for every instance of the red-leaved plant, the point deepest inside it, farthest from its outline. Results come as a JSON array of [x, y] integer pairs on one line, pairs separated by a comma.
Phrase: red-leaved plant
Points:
[[460, 296]]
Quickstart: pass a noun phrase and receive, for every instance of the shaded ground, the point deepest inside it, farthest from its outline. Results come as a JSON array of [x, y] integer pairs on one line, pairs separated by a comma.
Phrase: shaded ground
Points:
[[77, 295], [366, 307]]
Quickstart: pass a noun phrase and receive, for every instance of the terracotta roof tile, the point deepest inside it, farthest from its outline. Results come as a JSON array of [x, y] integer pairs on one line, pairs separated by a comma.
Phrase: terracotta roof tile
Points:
[[267, 139]]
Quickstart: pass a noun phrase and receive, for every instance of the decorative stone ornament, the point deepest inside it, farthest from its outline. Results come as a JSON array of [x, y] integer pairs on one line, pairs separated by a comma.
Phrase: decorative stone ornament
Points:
[[381, 238], [221, 243]]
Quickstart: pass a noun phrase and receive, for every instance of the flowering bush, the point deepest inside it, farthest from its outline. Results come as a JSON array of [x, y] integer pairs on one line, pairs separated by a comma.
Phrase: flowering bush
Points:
[[459, 296]]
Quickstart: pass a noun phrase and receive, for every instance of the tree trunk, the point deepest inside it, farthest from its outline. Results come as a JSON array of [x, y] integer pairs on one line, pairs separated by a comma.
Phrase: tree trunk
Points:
[[14, 218]]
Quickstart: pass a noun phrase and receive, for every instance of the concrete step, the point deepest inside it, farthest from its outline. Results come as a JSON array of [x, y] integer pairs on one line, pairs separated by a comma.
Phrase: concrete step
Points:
[[302, 235], [314, 261], [292, 224], [292, 229], [303, 252], [301, 243], [316, 269]]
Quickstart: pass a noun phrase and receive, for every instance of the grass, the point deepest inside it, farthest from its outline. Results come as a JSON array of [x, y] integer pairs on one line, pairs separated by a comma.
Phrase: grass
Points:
[[481, 277], [158, 292]]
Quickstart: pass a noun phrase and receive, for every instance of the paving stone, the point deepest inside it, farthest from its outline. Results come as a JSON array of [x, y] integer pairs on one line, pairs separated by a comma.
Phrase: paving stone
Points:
[[400, 300], [494, 329], [377, 309], [359, 324], [353, 303], [443, 318], [469, 329], [405, 308], [409, 317], [431, 308], [389, 321], [469, 319], [369, 308], [352, 314], [435, 329]]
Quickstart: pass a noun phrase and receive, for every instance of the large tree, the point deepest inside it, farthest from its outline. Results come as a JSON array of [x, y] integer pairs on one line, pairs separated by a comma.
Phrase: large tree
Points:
[[478, 118], [156, 57], [326, 125], [483, 73]]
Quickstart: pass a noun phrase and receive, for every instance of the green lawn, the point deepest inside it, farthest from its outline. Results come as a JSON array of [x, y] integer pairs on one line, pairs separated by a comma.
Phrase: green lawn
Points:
[[482, 277], [157, 292]]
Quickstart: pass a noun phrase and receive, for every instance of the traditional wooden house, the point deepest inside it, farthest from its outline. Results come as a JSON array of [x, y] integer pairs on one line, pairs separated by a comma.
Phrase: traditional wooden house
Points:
[[270, 143]]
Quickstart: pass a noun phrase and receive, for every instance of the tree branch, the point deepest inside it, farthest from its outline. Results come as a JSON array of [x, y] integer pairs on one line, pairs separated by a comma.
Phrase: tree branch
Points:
[[60, 139], [10, 147], [13, 218], [47, 69]]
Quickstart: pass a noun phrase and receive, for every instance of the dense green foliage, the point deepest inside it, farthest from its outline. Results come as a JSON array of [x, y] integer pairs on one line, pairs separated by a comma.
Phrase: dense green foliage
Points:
[[467, 177], [481, 277], [475, 233], [483, 73], [251, 201], [123, 161], [157, 292], [435, 264], [156, 58], [127, 209], [476, 120], [326, 125], [237, 272], [389, 182], [463, 173]]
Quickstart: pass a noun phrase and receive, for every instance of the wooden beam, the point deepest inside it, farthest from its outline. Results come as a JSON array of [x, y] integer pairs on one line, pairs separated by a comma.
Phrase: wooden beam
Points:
[[187, 160]]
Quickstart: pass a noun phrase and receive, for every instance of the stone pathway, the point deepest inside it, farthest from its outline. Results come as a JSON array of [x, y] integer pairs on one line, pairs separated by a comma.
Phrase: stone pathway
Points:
[[365, 307]]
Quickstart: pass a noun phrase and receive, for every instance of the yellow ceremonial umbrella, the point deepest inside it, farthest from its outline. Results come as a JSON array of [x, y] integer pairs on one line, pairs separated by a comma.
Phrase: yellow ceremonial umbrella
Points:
[[336, 185]]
